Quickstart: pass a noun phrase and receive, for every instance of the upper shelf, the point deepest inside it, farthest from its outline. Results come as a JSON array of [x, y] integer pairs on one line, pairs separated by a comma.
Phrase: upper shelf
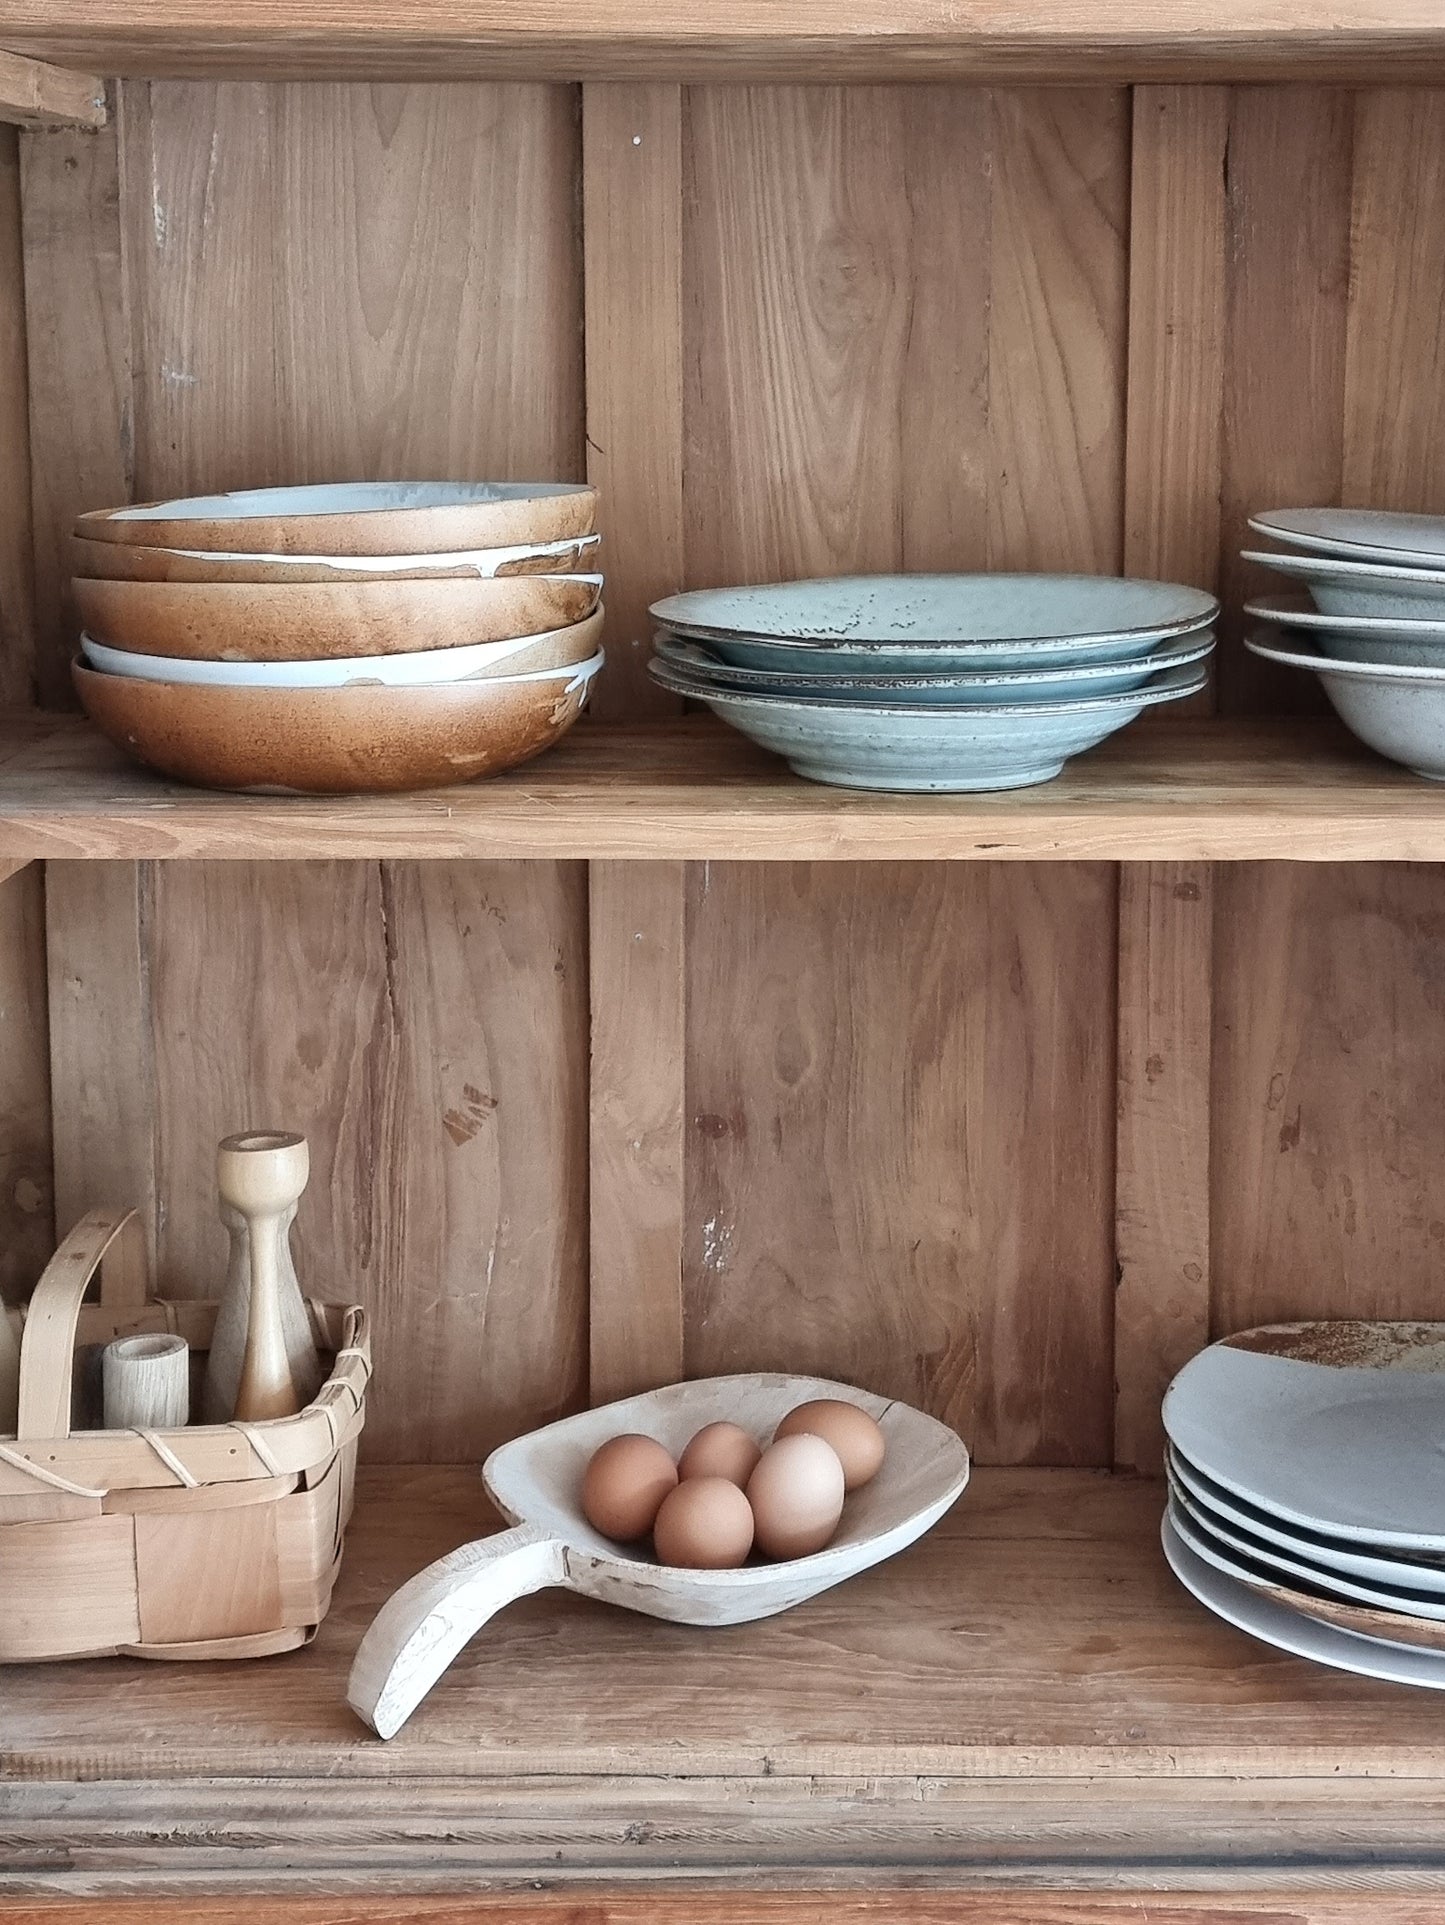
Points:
[[1186, 791], [986, 40]]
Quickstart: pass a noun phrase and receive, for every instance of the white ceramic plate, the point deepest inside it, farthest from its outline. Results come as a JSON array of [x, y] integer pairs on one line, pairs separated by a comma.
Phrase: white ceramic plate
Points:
[[1309, 1547], [943, 612], [1362, 588], [574, 675], [1273, 1624], [1292, 611], [537, 1481], [1396, 708], [1358, 534], [1423, 676], [343, 498], [1266, 1560], [1333, 1426], [422, 666]]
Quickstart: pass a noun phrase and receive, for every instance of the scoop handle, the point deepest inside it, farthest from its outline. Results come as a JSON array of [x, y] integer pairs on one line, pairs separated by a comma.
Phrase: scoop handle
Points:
[[421, 1628]]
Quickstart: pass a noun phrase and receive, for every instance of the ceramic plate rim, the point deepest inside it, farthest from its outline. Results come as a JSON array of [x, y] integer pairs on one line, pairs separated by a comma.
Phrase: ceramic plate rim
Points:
[[308, 499], [1274, 522], [1266, 610], [938, 712], [580, 674], [1180, 655], [1334, 568], [1398, 672]]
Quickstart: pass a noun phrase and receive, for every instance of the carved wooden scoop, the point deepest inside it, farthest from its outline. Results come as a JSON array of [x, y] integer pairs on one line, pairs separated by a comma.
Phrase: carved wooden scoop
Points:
[[536, 1481]]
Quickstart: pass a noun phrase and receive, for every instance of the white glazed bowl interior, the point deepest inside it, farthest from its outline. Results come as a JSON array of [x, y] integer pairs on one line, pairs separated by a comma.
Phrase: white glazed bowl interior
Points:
[[279, 675]]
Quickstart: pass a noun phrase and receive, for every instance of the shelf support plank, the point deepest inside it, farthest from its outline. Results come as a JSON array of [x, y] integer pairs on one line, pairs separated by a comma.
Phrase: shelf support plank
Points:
[[1173, 451], [632, 226], [1161, 1310], [637, 1101], [35, 94]]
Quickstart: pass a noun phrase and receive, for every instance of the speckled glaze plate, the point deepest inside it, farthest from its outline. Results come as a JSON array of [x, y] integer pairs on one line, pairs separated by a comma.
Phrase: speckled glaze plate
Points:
[[1312, 1549], [1388, 1623], [1061, 683], [1361, 588], [1274, 1623], [935, 624], [1358, 534], [1338, 1427]]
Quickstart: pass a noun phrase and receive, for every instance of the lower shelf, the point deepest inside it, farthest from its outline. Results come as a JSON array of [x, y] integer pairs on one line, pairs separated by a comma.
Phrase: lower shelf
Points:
[[1026, 1698]]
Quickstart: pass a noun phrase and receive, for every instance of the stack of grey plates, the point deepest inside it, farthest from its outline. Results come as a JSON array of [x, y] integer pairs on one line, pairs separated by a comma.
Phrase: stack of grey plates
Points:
[[1370, 624], [934, 682], [1305, 1491]]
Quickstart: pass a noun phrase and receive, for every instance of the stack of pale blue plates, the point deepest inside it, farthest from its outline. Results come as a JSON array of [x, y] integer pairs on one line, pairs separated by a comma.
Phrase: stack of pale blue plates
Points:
[[934, 682]]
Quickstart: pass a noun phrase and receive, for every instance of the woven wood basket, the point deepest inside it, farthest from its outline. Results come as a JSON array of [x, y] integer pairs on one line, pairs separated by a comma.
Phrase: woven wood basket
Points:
[[215, 1541]]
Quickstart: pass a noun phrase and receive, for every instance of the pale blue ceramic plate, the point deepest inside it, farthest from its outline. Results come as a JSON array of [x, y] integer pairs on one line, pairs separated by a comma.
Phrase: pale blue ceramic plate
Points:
[[1361, 588], [1399, 711], [954, 748], [1356, 638], [1057, 684], [935, 624]]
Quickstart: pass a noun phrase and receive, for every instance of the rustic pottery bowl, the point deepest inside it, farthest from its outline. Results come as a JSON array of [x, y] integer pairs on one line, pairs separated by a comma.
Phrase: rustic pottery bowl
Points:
[[336, 741], [356, 518], [1356, 638], [522, 655], [132, 561], [935, 624], [1006, 685], [1399, 711], [1358, 534], [278, 622], [1362, 588], [955, 748]]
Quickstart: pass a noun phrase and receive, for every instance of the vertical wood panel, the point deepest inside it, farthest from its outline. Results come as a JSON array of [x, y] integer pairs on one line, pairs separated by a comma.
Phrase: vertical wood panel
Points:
[[1161, 1308], [632, 222], [80, 400], [900, 1139], [1172, 472], [1394, 445], [637, 1097], [1330, 1105], [17, 562], [1288, 235], [27, 1212]]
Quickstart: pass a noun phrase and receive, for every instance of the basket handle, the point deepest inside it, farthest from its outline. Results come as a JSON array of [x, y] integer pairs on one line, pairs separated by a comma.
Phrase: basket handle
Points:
[[108, 1240]]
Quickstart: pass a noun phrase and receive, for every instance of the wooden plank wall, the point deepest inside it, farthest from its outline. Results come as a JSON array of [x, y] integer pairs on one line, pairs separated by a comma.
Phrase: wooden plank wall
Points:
[[874, 1110]]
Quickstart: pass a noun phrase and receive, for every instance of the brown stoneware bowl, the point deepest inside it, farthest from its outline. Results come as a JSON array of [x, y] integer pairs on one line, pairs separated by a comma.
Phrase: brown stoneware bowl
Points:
[[334, 741], [315, 621], [356, 518], [132, 561]]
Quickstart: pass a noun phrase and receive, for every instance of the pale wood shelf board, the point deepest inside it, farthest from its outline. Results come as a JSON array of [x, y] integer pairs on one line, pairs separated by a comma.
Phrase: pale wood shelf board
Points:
[[1190, 791], [987, 40], [1026, 1698], [34, 93]]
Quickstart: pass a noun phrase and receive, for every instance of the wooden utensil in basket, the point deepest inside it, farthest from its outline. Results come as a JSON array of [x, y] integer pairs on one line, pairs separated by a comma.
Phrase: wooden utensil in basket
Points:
[[213, 1541]]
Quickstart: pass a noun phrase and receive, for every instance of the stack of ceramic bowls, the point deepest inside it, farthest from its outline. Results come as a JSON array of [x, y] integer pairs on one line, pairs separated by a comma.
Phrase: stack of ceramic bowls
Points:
[[934, 682], [338, 639], [1371, 624], [1304, 1491]]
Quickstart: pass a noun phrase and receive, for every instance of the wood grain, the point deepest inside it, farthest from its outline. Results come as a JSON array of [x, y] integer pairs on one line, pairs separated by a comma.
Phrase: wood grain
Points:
[[81, 421], [807, 40], [102, 1049], [1046, 1706], [637, 1097], [1288, 210], [632, 141], [899, 1095], [17, 561], [1162, 1226], [1394, 430], [1329, 1112], [1177, 271], [27, 1211], [33, 94], [661, 1907]]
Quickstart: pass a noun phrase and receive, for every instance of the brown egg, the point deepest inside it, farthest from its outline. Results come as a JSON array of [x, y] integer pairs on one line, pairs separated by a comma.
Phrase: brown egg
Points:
[[706, 1524], [854, 1435], [797, 1496], [626, 1481], [721, 1450]]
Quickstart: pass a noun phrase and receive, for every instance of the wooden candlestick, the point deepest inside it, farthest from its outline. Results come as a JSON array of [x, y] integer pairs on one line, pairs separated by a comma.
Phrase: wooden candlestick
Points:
[[228, 1342], [146, 1383], [261, 1176]]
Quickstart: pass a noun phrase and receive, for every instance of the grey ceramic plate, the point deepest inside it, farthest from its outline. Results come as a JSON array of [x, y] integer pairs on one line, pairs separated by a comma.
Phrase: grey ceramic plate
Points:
[[1362, 588], [1358, 534], [1262, 1618], [907, 624], [1396, 710], [1357, 638], [1057, 684], [955, 748]]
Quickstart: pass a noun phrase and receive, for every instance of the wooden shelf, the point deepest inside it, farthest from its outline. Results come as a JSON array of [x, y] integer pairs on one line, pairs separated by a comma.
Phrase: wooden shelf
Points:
[[1027, 1697], [757, 39], [1209, 791]]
